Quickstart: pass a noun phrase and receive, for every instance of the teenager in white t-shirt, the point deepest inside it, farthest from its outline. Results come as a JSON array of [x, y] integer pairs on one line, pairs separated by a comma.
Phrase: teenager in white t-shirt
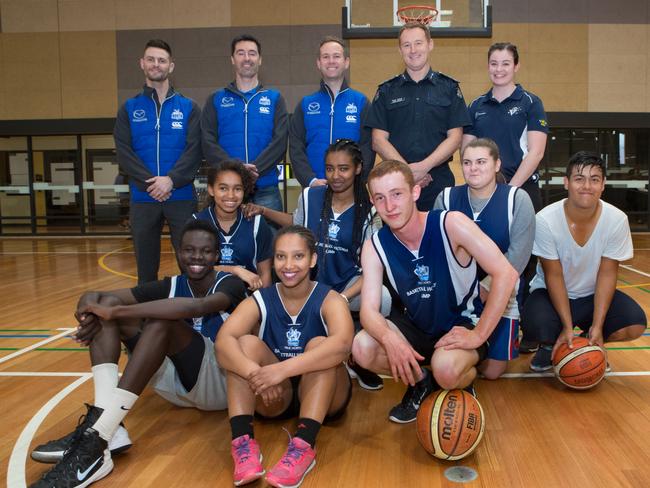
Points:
[[580, 241]]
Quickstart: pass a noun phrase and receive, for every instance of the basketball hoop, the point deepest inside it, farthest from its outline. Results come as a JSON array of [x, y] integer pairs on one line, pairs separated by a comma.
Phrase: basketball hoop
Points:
[[422, 14]]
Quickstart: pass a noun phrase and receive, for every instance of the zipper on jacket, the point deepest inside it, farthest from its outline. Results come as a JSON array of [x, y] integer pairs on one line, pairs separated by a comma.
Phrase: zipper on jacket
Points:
[[333, 101], [158, 112]]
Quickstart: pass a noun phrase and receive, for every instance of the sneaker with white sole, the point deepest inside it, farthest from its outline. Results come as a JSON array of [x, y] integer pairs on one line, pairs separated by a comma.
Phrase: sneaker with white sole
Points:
[[366, 378], [406, 411], [53, 451], [87, 461], [542, 360]]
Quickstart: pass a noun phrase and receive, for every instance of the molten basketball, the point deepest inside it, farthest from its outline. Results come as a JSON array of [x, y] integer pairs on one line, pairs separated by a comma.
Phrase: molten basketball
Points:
[[450, 424], [582, 367]]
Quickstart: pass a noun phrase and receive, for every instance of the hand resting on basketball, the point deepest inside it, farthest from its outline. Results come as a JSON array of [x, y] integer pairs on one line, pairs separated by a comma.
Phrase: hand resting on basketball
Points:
[[403, 359], [596, 337], [460, 338], [565, 337]]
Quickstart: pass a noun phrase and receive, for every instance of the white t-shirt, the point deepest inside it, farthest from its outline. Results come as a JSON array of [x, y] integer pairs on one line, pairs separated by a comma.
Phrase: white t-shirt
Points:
[[611, 239]]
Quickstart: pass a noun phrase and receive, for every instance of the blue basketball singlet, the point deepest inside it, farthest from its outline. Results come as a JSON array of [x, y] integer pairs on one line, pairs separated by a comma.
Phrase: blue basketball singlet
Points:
[[337, 263], [288, 335], [209, 324], [247, 243], [495, 220], [435, 289]]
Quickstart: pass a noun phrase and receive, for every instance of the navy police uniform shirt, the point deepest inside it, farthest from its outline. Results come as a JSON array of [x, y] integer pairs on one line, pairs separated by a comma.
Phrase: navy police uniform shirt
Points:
[[288, 335], [507, 123], [436, 291], [247, 243], [417, 117]]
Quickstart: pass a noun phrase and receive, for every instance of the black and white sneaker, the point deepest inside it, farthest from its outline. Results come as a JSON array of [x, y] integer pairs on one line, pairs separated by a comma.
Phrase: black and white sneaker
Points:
[[407, 410], [53, 451], [367, 379], [87, 461]]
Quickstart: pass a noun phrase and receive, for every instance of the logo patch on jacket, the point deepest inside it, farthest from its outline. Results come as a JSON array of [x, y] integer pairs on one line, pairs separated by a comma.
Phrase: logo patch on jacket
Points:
[[265, 110], [139, 115], [313, 108], [264, 100], [177, 114], [227, 102], [351, 108], [177, 124]]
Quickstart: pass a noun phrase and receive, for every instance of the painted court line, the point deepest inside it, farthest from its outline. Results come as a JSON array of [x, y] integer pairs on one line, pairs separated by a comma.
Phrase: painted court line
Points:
[[549, 375], [40, 374], [16, 470], [630, 268], [34, 346]]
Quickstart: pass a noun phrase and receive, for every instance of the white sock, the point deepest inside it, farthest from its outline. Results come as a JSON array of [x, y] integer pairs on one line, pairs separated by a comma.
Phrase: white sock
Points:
[[105, 378], [121, 402]]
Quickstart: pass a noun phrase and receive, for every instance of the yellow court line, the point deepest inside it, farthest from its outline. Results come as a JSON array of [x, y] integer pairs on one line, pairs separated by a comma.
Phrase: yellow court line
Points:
[[633, 286], [102, 265]]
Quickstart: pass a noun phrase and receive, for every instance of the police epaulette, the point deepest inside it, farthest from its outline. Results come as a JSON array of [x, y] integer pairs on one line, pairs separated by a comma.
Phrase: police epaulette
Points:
[[442, 75], [390, 79]]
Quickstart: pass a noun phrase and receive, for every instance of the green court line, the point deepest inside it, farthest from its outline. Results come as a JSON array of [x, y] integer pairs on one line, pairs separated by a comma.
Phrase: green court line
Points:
[[638, 288], [626, 348]]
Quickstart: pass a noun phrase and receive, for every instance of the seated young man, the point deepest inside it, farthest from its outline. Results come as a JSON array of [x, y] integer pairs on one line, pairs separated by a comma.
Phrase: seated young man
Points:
[[169, 327], [429, 259], [580, 241]]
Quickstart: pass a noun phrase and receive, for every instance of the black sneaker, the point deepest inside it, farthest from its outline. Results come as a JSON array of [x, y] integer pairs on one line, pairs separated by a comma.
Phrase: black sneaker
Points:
[[542, 360], [87, 461], [407, 409], [53, 451], [367, 379], [527, 346]]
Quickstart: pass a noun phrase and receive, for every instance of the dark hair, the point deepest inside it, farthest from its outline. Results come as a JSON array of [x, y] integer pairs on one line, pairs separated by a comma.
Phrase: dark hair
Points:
[[160, 44], [236, 167], [392, 166], [414, 25], [585, 158], [203, 225], [486, 143], [362, 205], [299, 230], [337, 40], [504, 46], [245, 37]]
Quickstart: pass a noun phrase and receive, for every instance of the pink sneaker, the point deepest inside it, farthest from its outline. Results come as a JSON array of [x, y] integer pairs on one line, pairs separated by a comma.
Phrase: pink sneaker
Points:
[[248, 460], [297, 461]]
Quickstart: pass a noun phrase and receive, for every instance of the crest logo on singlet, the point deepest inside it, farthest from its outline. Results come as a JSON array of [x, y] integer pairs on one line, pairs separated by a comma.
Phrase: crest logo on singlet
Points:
[[226, 253], [351, 108], [197, 323], [177, 114], [333, 230], [422, 272], [293, 337]]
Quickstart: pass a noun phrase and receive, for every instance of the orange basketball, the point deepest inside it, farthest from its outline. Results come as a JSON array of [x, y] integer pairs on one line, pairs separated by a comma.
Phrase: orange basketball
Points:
[[582, 367], [450, 424]]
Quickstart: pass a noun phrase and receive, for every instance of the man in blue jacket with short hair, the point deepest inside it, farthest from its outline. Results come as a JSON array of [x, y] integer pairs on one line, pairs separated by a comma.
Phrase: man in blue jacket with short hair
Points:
[[158, 144], [248, 122], [334, 112]]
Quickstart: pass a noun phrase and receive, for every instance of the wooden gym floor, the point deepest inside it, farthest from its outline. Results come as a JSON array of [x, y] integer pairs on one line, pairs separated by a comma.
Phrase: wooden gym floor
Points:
[[538, 433]]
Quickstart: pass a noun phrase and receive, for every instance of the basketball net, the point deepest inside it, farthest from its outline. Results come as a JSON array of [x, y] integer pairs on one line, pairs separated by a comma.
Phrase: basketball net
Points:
[[423, 14]]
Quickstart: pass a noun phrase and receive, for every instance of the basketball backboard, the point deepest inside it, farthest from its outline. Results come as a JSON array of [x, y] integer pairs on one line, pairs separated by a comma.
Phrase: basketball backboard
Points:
[[370, 19]]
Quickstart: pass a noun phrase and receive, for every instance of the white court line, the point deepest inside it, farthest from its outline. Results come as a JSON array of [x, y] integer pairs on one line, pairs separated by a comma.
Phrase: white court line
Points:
[[630, 268], [16, 469], [42, 374], [549, 375], [34, 346]]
